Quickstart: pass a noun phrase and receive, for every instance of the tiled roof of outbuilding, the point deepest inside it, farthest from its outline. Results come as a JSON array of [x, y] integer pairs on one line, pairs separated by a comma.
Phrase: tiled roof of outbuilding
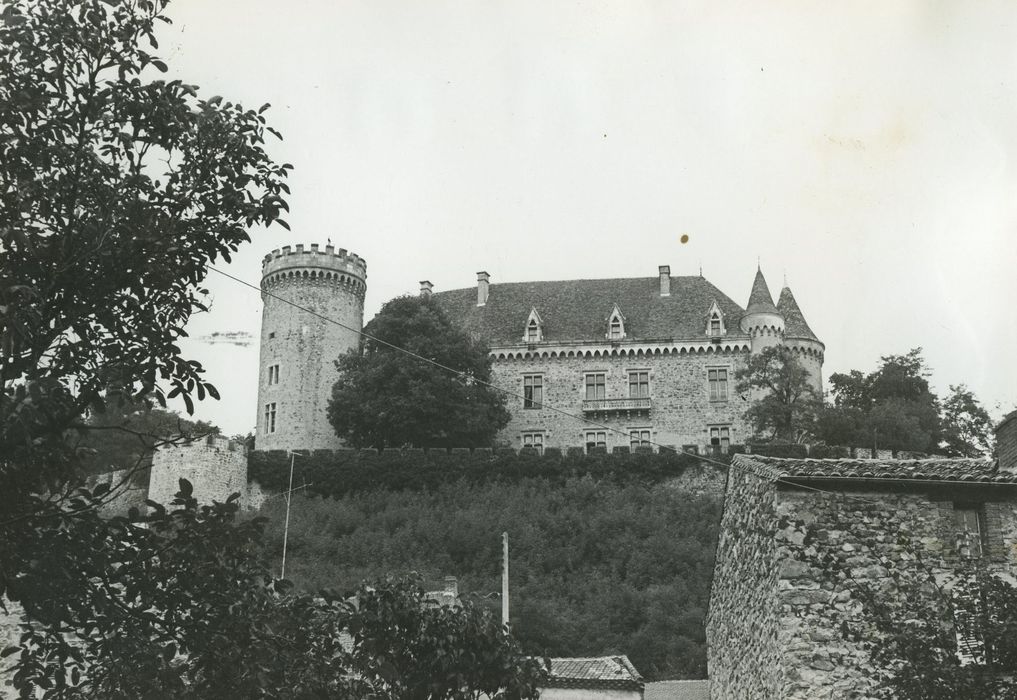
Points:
[[941, 469], [794, 321], [760, 299], [677, 690], [576, 310], [600, 672]]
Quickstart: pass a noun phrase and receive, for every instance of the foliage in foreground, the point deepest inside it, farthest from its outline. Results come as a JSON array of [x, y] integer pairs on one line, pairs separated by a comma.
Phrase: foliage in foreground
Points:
[[787, 405], [597, 567], [180, 604], [943, 637], [117, 189], [387, 398]]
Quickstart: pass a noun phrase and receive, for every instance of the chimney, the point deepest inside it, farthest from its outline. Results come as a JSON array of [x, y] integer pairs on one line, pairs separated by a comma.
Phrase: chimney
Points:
[[425, 289], [1006, 443], [665, 280], [482, 284]]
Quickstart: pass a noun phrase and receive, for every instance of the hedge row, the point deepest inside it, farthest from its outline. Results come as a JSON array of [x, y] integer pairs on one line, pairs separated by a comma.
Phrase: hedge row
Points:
[[336, 473]]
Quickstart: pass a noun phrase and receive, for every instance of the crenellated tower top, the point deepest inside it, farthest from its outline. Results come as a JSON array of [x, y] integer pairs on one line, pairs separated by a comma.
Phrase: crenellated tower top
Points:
[[314, 264]]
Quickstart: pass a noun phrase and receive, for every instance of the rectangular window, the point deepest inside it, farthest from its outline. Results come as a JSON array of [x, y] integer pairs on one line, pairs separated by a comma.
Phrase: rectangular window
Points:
[[595, 386], [534, 441], [639, 384], [715, 326], [270, 417], [718, 384], [969, 523], [639, 437], [273, 374], [720, 438], [596, 438], [533, 390], [616, 330]]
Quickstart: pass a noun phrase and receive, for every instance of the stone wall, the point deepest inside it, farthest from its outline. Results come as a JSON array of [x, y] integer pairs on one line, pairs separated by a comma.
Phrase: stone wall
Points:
[[215, 466], [681, 411], [811, 551], [742, 624]]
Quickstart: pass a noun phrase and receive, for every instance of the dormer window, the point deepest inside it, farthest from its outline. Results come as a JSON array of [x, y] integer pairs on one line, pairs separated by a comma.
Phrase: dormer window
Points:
[[715, 321], [534, 331], [615, 325]]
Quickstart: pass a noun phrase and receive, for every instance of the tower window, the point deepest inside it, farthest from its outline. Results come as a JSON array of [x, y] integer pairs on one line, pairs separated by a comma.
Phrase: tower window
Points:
[[271, 335], [533, 390], [595, 386], [270, 417], [273, 374], [639, 384], [717, 379]]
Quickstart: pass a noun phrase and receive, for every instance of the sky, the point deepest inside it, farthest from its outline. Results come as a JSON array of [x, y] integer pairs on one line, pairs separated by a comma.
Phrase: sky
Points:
[[866, 152]]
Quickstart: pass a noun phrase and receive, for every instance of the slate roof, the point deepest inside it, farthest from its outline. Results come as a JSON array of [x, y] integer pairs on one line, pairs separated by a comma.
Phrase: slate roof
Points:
[[677, 690], [610, 672], [942, 469], [760, 299], [794, 321], [577, 310]]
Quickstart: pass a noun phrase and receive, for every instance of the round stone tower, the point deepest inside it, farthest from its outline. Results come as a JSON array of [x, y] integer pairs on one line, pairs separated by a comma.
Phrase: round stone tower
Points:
[[299, 348], [762, 321]]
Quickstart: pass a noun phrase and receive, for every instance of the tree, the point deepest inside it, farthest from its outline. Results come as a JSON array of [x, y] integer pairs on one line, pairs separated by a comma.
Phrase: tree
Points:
[[787, 408], [116, 191], [181, 603], [967, 427], [891, 408], [124, 436], [940, 637], [387, 398]]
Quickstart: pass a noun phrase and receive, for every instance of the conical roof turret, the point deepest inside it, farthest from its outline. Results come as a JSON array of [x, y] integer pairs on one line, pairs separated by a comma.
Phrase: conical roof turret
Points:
[[760, 300], [795, 325]]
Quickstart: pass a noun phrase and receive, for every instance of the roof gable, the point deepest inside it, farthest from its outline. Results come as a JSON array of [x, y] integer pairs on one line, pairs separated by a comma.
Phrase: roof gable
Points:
[[573, 310]]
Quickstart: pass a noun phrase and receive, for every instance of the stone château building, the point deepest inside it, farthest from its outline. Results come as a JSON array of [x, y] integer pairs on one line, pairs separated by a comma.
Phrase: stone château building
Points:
[[798, 537], [645, 360]]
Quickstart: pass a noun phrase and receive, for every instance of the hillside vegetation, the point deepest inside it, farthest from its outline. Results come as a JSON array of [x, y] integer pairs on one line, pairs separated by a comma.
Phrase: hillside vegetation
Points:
[[598, 566]]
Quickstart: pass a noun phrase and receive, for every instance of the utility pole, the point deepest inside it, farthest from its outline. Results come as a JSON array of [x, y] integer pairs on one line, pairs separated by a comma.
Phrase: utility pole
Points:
[[286, 528], [504, 581]]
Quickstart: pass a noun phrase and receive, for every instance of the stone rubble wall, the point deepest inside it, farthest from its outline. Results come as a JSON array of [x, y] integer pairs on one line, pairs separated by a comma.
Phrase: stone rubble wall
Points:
[[10, 632], [215, 466], [679, 390], [742, 624], [812, 550]]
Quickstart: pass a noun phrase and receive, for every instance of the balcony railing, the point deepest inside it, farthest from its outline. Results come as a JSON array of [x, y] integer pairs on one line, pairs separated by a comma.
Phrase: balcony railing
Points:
[[611, 405]]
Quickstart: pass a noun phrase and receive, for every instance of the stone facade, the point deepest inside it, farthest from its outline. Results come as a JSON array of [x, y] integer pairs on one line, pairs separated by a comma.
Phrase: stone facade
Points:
[[216, 466], [799, 536], [299, 346], [679, 413]]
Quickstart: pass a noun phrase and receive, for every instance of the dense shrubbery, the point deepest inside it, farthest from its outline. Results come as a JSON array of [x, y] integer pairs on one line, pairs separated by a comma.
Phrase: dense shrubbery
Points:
[[336, 473], [598, 566]]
